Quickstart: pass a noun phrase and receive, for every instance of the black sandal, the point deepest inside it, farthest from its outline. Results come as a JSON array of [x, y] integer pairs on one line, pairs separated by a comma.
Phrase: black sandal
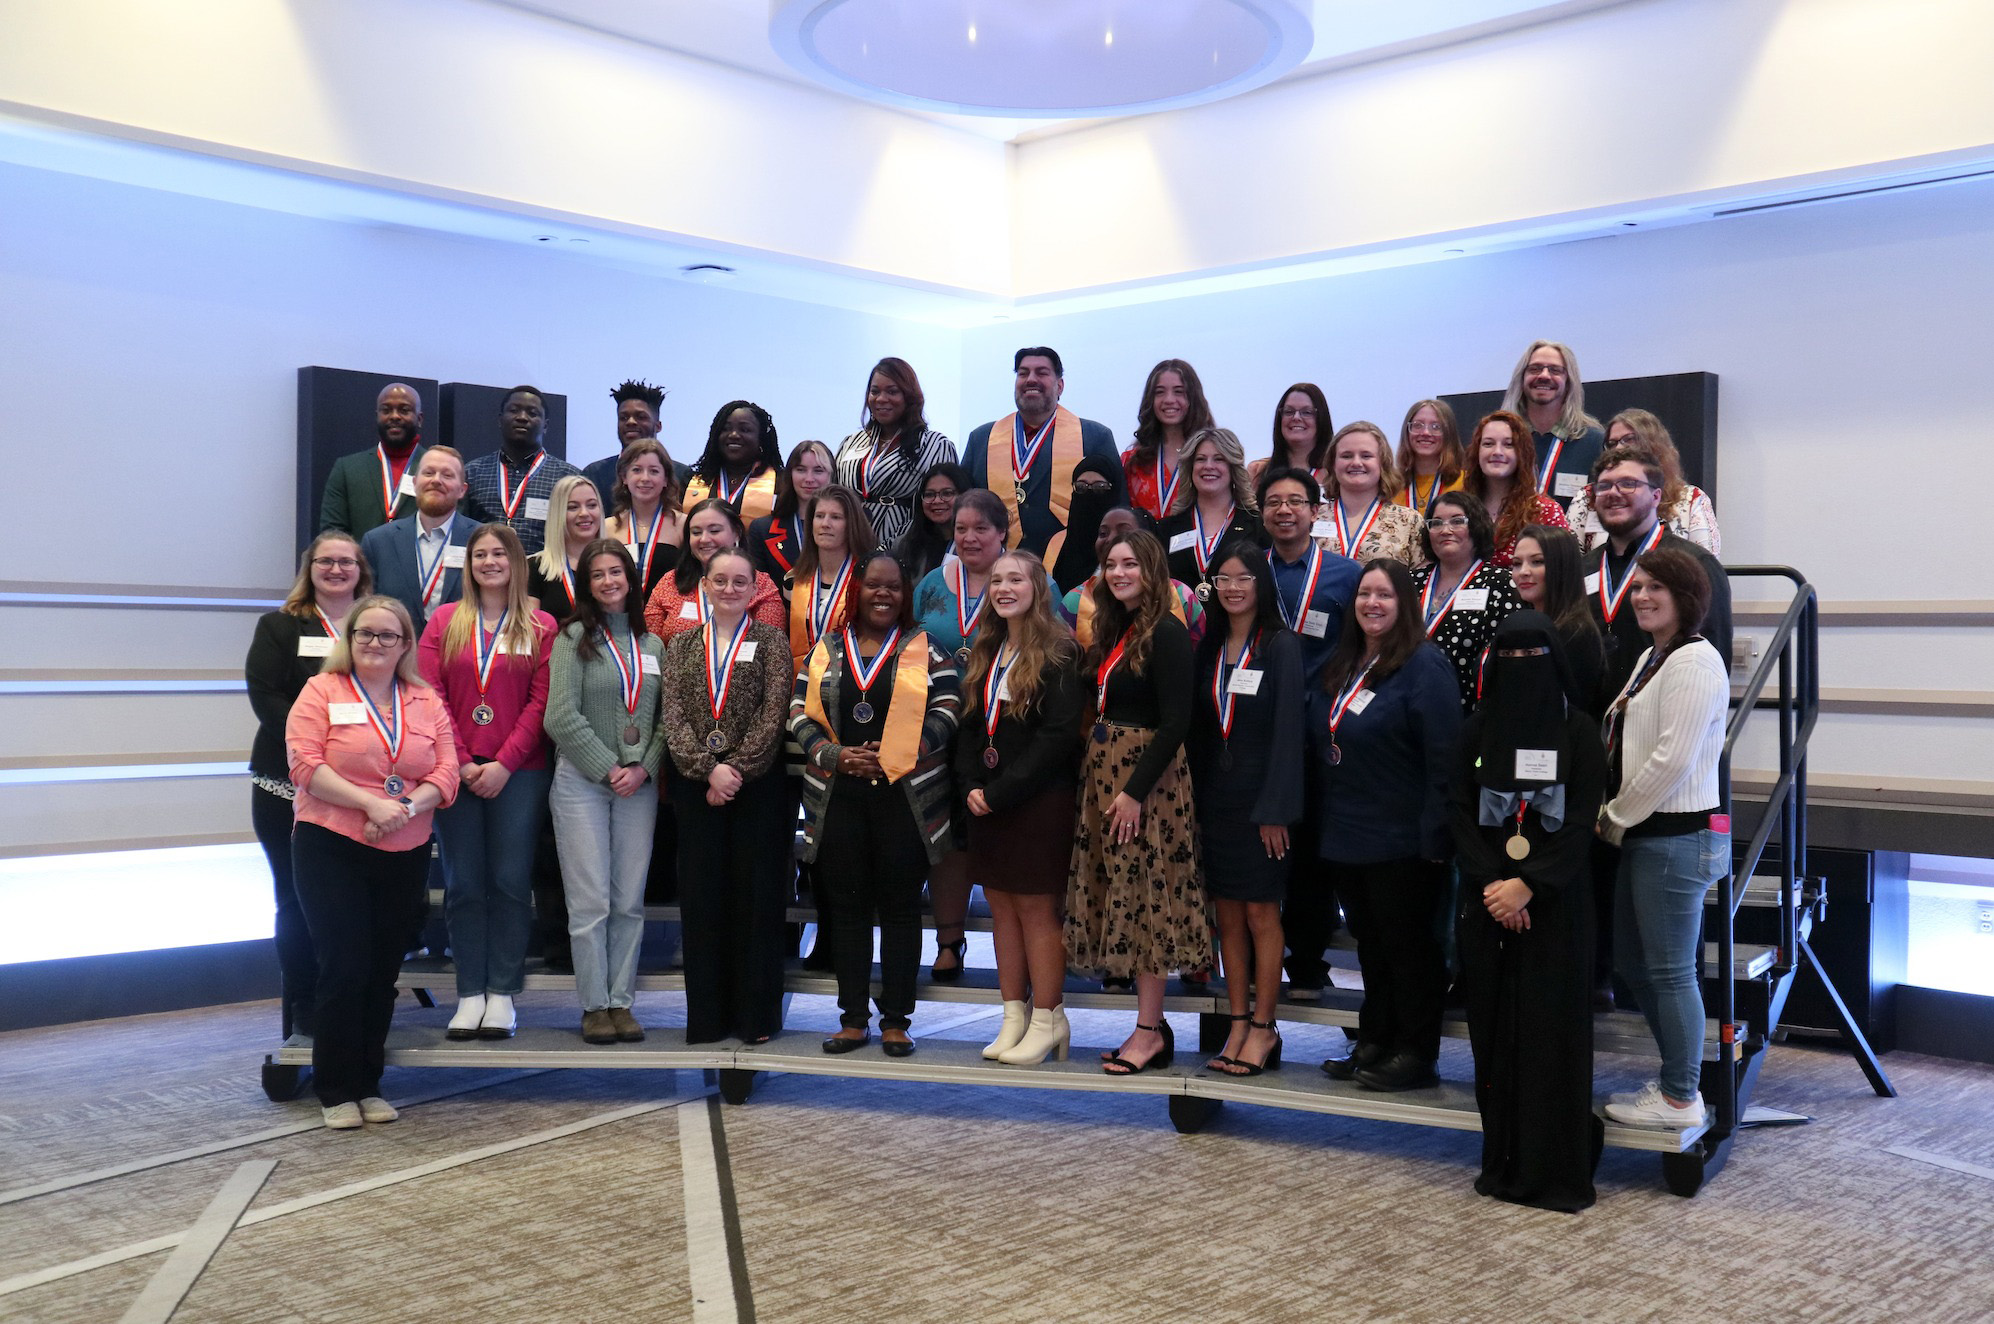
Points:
[[1117, 1065], [1272, 1062], [1220, 1061], [954, 972]]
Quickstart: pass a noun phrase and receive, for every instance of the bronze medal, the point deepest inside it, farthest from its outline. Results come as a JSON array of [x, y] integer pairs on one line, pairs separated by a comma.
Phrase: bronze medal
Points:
[[1517, 848], [989, 759], [1335, 754], [630, 734], [483, 714], [862, 712], [716, 740], [1100, 733]]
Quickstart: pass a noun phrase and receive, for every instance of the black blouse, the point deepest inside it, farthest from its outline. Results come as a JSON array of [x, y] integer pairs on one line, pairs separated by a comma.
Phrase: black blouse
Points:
[[1258, 772], [1158, 698], [1184, 563], [1035, 752], [1465, 633], [275, 674], [851, 731]]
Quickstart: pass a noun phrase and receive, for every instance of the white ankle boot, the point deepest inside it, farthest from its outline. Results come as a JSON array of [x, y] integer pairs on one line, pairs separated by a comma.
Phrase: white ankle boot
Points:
[[470, 1011], [1048, 1033], [498, 1021], [1016, 1018]]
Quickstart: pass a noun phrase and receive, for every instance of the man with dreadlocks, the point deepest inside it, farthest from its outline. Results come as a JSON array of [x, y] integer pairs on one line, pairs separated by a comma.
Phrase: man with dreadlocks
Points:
[[637, 406]]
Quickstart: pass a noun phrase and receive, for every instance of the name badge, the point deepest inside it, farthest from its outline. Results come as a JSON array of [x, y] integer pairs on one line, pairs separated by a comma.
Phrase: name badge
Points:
[[505, 645], [1004, 688], [408, 486], [1184, 541], [453, 557], [1361, 700], [647, 664], [1592, 582], [1568, 485], [315, 645], [747, 653], [1537, 765], [1315, 624], [689, 611], [536, 508], [1244, 682], [346, 714], [1471, 599], [1322, 528]]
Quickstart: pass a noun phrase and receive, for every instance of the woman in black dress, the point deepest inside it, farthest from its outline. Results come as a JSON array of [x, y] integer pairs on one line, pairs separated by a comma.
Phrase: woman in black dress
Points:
[[1531, 778], [1016, 755], [1246, 765], [1549, 575]]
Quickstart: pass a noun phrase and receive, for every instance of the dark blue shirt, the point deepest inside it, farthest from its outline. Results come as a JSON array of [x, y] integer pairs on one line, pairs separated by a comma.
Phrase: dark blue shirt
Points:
[[1575, 459], [1387, 799], [1335, 590]]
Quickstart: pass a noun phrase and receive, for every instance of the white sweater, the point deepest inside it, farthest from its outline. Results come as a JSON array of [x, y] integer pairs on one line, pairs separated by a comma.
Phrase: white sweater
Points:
[[1672, 735]]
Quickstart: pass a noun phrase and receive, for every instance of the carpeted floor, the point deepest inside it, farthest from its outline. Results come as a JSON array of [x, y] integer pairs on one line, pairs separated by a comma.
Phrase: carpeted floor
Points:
[[889, 1201]]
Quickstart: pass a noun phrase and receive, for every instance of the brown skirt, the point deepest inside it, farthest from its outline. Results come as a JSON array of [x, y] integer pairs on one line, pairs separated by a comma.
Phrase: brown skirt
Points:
[[1027, 849], [1135, 909]]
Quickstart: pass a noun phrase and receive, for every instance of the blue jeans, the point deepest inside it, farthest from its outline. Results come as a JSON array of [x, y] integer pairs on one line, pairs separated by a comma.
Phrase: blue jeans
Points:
[[605, 845], [1658, 920], [488, 881]]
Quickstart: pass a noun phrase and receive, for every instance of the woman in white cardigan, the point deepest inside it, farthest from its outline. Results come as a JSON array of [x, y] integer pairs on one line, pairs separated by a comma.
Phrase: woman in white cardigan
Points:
[[1665, 734]]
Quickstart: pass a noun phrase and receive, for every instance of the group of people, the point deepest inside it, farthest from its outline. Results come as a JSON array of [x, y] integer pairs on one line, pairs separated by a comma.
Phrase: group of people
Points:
[[1162, 705]]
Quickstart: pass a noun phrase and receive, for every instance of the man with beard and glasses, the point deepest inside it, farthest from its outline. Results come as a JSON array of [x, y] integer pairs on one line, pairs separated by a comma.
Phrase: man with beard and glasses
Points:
[[1546, 389], [419, 558], [369, 488], [514, 484], [637, 406], [1035, 449]]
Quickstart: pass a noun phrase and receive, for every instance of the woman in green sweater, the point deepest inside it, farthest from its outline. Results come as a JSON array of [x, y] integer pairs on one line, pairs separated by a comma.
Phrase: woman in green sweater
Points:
[[602, 713]]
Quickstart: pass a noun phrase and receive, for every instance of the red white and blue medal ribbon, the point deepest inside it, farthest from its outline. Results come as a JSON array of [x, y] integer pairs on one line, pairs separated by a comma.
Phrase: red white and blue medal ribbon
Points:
[[1166, 497], [825, 601], [1204, 547], [733, 498], [870, 458], [700, 611], [487, 652], [1550, 478], [1025, 454], [511, 501], [1344, 696], [1300, 613], [1351, 542], [720, 668], [966, 607], [1222, 696], [331, 630], [862, 676], [389, 729], [432, 578], [568, 581], [1108, 665], [1610, 593], [391, 482], [650, 543], [993, 693], [1428, 612], [629, 675]]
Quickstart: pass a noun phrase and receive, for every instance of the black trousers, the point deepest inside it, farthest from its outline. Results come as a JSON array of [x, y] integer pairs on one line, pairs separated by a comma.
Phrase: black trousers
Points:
[[271, 817], [733, 886], [1309, 914], [1605, 877], [871, 859], [1394, 908], [357, 900]]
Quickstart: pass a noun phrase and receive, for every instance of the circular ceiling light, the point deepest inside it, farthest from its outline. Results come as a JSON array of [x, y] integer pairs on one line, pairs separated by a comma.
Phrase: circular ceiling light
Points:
[[1049, 58]]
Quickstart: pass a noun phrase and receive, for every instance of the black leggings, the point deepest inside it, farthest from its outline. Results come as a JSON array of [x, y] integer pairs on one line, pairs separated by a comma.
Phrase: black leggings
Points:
[[1394, 910], [871, 858], [271, 817]]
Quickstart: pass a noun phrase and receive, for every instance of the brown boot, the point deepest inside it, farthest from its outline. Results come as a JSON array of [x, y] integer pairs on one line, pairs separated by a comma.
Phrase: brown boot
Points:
[[598, 1028], [628, 1031]]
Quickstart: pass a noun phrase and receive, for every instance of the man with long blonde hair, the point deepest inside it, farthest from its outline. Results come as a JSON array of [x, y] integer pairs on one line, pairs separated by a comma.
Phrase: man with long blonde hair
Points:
[[1546, 389]]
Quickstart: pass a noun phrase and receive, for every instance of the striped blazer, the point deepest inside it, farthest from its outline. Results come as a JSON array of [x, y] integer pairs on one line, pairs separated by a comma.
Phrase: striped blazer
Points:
[[927, 787]]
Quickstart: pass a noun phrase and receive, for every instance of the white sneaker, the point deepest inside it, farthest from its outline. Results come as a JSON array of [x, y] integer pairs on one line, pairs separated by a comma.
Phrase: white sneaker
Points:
[[342, 1117], [499, 1021], [1631, 1095], [470, 1011], [376, 1109], [1650, 1108]]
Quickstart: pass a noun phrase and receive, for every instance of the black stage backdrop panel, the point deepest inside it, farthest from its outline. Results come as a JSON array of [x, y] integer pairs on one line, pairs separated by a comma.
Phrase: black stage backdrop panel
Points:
[[469, 419], [1686, 402], [335, 418]]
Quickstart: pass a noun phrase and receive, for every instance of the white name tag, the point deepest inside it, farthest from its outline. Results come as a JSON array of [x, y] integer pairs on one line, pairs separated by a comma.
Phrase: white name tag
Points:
[[1592, 582], [1184, 541], [1568, 485], [689, 611], [1537, 765], [505, 645], [408, 486], [747, 653], [453, 557], [1322, 528], [536, 508], [1244, 682], [1471, 599], [1004, 689], [1315, 624], [1361, 700], [315, 645], [647, 664], [346, 714]]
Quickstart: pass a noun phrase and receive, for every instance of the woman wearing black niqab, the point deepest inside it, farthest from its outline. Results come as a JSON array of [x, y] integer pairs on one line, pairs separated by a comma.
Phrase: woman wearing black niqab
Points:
[[1532, 776], [1077, 562]]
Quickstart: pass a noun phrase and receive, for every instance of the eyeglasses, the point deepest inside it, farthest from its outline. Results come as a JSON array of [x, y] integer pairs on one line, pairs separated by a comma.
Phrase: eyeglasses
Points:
[[1543, 370], [939, 494], [385, 638], [1290, 412], [1627, 485], [1232, 581], [1426, 430], [335, 563], [1448, 522], [1285, 503]]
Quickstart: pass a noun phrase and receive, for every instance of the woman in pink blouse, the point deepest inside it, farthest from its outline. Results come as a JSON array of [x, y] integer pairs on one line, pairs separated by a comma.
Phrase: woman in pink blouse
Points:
[[487, 658], [372, 758]]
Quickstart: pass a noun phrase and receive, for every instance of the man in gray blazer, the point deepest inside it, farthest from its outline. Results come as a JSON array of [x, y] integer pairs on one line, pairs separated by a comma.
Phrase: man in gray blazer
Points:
[[419, 558]]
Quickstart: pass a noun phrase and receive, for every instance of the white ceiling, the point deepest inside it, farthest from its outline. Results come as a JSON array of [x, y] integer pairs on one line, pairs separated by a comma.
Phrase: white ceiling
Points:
[[735, 33]]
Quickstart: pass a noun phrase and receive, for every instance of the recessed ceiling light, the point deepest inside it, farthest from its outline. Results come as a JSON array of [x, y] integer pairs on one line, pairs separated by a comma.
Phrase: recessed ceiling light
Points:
[[708, 273], [545, 238], [1455, 252]]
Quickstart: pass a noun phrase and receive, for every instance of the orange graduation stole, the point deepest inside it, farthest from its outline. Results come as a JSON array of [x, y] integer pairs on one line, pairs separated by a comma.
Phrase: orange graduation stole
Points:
[[802, 597], [1066, 453], [754, 501], [900, 748]]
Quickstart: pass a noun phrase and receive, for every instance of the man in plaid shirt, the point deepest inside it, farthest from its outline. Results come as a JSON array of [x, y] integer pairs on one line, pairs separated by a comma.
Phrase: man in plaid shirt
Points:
[[514, 484]]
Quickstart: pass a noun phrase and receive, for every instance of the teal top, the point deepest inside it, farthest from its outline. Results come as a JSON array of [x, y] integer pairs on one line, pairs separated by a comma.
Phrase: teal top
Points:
[[586, 716]]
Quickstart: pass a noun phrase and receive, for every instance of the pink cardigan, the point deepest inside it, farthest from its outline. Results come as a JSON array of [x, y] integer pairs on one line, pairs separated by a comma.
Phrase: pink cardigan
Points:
[[516, 692], [355, 752]]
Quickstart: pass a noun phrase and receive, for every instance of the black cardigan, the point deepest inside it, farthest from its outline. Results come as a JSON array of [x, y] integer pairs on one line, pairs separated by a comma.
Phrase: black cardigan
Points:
[[1184, 564], [275, 676], [1035, 752]]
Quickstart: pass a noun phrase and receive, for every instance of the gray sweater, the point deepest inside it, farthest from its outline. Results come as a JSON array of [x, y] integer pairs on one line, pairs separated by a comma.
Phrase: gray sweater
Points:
[[585, 712]]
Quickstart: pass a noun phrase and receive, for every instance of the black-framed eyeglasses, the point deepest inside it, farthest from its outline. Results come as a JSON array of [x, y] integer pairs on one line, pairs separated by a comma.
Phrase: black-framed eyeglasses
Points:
[[385, 638], [1627, 485], [335, 563], [939, 494]]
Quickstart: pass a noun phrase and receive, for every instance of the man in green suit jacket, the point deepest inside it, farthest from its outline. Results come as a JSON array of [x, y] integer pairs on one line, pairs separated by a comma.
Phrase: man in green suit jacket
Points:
[[369, 488]]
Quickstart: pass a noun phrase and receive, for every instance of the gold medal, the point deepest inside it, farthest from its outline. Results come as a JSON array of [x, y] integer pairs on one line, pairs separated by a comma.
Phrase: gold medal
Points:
[[1517, 848]]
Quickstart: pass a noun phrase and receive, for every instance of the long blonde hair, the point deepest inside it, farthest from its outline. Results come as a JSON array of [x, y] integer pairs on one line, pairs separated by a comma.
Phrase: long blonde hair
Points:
[[553, 555], [1573, 420], [1112, 620], [340, 659], [1234, 456], [1043, 640], [519, 635], [302, 600]]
